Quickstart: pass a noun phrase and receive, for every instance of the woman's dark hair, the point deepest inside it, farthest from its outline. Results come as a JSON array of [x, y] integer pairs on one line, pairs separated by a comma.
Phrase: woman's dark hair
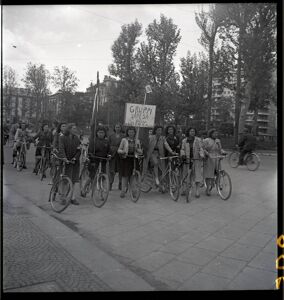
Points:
[[101, 128], [43, 124], [58, 130], [118, 125], [130, 128], [157, 127], [211, 131], [168, 127], [188, 130]]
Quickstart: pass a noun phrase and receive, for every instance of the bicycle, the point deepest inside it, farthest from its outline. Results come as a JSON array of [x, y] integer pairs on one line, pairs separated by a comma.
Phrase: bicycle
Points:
[[21, 156], [171, 182], [251, 159], [98, 186], [221, 180], [84, 172], [62, 187], [43, 163], [189, 179], [135, 179]]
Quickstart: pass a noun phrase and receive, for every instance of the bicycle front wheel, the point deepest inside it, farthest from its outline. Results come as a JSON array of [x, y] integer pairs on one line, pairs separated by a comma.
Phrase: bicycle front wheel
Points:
[[234, 159], [134, 186], [42, 168], [21, 161], [100, 190], [174, 185], [224, 185], [60, 194], [146, 183], [84, 182], [252, 161]]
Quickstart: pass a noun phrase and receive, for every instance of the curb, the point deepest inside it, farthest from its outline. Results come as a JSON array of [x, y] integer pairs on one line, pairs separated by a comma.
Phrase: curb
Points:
[[109, 270]]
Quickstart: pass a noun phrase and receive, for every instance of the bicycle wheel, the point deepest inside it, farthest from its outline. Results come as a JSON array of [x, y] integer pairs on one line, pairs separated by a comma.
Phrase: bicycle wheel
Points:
[[146, 182], [134, 186], [224, 185], [234, 159], [174, 185], [60, 194], [252, 161], [85, 186], [20, 162], [100, 190], [189, 187], [42, 169]]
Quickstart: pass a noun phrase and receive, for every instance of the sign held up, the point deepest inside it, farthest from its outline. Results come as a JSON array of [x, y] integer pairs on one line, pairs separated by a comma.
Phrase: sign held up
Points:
[[139, 115]]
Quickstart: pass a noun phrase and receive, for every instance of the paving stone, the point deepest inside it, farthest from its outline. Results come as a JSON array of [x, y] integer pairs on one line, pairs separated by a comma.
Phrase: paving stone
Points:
[[154, 260], [175, 247], [224, 267], [197, 256], [253, 279], [176, 271], [266, 261], [271, 247], [241, 252], [215, 243], [204, 282], [231, 232], [194, 236], [255, 238]]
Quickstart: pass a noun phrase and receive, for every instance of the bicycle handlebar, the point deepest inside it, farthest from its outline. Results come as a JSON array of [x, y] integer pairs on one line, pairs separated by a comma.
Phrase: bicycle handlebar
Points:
[[135, 156], [44, 147], [169, 157], [105, 158], [59, 158]]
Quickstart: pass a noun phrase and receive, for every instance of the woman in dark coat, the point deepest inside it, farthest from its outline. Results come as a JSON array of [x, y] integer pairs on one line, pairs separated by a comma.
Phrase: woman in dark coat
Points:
[[69, 149]]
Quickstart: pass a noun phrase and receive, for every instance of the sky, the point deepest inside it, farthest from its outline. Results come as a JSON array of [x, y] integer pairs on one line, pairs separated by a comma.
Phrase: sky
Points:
[[80, 36]]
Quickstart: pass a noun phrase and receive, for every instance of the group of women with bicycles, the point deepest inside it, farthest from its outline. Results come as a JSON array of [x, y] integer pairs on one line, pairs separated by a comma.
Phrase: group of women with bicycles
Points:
[[171, 161]]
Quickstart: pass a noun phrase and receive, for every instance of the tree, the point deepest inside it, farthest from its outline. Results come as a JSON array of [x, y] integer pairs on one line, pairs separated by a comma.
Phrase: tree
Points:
[[259, 60], [155, 59], [124, 53], [194, 72], [66, 81], [36, 80], [9, 84], [209, 23]]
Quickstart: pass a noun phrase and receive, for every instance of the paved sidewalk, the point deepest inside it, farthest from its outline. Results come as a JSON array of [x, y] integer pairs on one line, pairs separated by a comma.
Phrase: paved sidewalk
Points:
[[42, 255]]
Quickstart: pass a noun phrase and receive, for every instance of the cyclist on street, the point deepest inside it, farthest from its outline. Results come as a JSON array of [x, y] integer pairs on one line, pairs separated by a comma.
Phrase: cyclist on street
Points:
[[128, 146], [69, 149], [114, 166], [156, 149], [99, 147], [21, 135], [247, 144], [192, 149], [44, 137], [212, 148]]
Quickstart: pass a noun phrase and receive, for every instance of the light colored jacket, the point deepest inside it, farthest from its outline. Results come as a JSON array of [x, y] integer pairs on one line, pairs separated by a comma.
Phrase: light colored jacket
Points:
[[198, 151], [124, 146]]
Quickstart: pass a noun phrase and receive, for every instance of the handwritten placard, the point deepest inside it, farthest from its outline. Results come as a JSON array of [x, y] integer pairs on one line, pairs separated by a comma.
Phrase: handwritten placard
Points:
[[139, 115]]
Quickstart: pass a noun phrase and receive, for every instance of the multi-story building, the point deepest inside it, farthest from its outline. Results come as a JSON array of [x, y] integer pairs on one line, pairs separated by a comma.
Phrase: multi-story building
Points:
[[18, 104]]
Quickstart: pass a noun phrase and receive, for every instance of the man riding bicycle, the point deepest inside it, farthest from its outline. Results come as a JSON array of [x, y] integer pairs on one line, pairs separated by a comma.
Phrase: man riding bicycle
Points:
[[247, 144]]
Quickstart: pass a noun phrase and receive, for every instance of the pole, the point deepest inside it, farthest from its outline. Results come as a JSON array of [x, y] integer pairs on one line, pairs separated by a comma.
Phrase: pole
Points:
[[137, 134]]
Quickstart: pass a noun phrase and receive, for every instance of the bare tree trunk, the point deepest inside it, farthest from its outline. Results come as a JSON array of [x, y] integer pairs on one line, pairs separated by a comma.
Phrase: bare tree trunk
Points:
[[210, 77], [244, 110]]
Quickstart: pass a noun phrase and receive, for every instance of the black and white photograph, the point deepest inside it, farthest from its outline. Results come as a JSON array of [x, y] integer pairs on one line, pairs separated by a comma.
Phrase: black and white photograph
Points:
[[140, 148]]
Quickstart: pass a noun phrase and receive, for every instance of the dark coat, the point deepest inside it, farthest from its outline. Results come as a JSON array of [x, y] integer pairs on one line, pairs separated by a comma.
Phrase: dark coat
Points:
[[44, 138], [69, 146], [248, 142]]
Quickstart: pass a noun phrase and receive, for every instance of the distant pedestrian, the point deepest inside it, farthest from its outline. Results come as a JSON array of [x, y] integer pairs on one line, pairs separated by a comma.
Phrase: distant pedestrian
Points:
[[247, 144]]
